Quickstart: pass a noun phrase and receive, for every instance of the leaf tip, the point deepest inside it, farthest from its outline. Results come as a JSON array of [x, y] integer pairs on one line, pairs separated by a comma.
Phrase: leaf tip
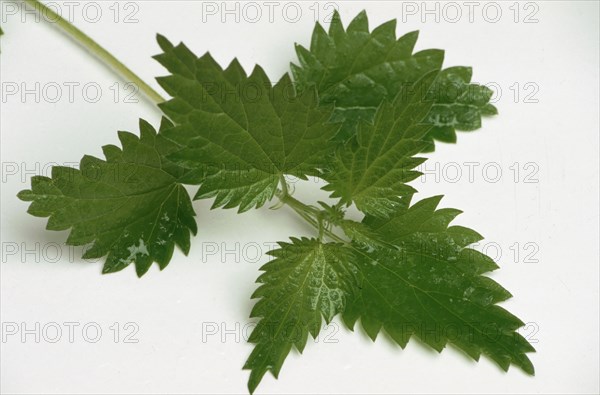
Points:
[[26, 195], [163, 42], [254, 380]]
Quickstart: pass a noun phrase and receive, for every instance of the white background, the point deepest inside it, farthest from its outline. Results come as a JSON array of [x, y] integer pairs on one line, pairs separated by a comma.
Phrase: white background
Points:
[[177, 310]]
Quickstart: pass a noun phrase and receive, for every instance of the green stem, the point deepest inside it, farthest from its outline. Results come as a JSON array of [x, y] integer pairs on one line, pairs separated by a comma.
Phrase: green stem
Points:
[[92, 46], [284, 187], [321, 228], [296, 204], [308, 213]]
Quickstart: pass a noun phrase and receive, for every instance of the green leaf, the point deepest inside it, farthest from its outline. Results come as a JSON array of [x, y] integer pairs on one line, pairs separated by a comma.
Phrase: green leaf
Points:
[[130, 206], [242, 131], [429, 285], [356, 70], [307, 280], [375, 172]]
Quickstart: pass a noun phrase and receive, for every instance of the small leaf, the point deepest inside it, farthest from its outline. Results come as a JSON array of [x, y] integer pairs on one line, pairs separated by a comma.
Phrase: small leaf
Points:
[[130, 206], [305, 281], [375, 172]]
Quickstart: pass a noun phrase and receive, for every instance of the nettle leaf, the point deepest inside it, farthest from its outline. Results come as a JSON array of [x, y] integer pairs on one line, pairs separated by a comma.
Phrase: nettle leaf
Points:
[[431, 286], [375, 172], [244, 132], [356, 70], [306, 281], [130, 206]]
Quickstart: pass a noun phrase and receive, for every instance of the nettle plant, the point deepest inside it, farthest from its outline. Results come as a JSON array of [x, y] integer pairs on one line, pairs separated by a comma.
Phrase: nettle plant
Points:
[[356, 111]]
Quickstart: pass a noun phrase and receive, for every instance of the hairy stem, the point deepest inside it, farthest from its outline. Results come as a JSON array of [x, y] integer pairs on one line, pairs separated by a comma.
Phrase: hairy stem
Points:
[[106, 57]]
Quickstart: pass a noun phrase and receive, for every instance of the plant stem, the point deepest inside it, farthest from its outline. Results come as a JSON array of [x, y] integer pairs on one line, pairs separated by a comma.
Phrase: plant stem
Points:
[[284, 187], [296, 204], [106, 57], [306, 212]]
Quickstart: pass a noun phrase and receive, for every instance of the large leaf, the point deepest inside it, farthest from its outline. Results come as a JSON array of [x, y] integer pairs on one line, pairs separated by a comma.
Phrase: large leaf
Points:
[[130, 206], [429, 285], [356, 70], [306, 281], [244, 132]]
